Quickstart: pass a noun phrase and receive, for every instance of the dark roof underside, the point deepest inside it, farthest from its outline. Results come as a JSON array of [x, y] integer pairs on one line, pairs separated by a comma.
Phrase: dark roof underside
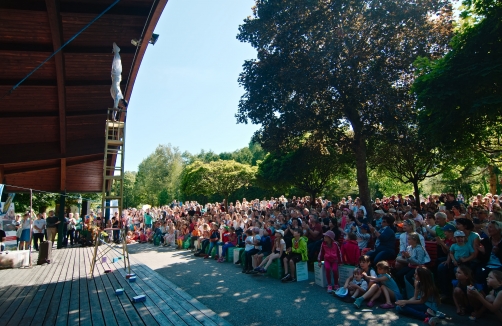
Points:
[[52, 126]]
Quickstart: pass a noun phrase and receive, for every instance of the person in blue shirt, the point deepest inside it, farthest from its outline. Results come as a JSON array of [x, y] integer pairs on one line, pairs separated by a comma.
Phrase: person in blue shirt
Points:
[[385, 241]]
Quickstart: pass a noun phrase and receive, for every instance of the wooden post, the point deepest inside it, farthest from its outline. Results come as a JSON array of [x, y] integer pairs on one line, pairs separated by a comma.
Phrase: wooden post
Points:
[[62, 198]]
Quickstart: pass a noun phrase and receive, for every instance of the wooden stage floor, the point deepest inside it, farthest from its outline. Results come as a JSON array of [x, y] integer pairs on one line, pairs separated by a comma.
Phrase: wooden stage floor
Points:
[[62, 293]]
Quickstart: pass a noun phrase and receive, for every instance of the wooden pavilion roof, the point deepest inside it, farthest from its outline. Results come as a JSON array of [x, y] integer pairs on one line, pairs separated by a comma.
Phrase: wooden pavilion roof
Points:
[[52, 125]]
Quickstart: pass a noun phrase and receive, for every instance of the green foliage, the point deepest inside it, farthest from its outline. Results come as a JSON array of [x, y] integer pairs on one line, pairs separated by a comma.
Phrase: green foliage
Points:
[[459, 95], [159, 173], [246, 155], [129, 190], [309, 168], [163, 197], [407, 157], [326, 67], [217, 177], [40, 200], [382, 184]]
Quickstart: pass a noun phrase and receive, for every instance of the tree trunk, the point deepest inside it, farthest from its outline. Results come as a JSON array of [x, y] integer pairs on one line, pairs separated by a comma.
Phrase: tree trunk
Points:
[[493, 180], [359, 149], [313, 195], [417, 193]]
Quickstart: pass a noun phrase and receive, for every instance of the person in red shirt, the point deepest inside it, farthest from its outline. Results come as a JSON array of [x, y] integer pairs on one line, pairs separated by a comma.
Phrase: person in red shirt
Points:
[[313, 231], [351, 251]]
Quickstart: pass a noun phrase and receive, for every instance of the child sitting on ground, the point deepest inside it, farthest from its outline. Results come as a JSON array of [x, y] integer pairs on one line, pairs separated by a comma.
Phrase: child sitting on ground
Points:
[[493, 301], [277, 251], [332, 256], [425, 298], [170, 237], [358, 286], [365, 266], [183, 230], [464, 282], [386, 286], [130, 238], [142, 236], [351, 250], [149, 235]]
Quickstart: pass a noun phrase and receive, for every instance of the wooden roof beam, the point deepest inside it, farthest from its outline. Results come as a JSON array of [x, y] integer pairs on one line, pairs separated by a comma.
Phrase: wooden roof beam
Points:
[[46, 166], [50, 150], [57, 40]]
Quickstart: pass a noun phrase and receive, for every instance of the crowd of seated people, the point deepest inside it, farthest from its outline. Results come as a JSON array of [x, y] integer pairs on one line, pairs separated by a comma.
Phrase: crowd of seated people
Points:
[[411, 255]]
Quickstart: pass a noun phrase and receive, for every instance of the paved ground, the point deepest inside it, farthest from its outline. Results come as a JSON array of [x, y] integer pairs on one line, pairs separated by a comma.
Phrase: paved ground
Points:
[[261, 300]]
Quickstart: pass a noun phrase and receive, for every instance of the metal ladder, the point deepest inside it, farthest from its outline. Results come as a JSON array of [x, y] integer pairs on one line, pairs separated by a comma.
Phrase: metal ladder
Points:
[[113, 183]]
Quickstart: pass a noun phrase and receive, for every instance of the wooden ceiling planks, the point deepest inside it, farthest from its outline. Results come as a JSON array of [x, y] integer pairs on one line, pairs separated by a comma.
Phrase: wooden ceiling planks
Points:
[[112, 29], [24, 130], [84, 127], [33, 99], [93, 66], [52, 126], [37, 25], [17, 64], [93, 171], [48, 180], [88, 98]]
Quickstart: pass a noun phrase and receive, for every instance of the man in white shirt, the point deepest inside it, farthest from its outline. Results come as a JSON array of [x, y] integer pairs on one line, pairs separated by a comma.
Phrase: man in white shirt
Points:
[[38, 230]]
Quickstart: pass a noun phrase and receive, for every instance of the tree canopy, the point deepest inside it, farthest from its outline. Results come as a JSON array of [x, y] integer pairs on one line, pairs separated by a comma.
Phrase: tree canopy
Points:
[[409, 158], [460, 94], [216, 177], [329, 67], [159, 175], [308, 168]]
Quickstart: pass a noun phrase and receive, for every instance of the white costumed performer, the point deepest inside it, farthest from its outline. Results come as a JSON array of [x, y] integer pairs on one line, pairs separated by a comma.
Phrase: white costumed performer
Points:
[[116, 77]]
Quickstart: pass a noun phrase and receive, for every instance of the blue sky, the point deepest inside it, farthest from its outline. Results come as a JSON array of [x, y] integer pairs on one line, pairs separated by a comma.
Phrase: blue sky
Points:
[[186, 92]]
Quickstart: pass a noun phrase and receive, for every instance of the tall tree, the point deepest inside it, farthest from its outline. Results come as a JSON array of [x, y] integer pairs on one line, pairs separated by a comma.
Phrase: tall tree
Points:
[[159, 172], [324, 67], [217, 177]]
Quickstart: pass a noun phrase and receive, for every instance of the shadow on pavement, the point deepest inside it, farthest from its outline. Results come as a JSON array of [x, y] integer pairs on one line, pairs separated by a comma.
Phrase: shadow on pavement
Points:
[[244, 299]]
